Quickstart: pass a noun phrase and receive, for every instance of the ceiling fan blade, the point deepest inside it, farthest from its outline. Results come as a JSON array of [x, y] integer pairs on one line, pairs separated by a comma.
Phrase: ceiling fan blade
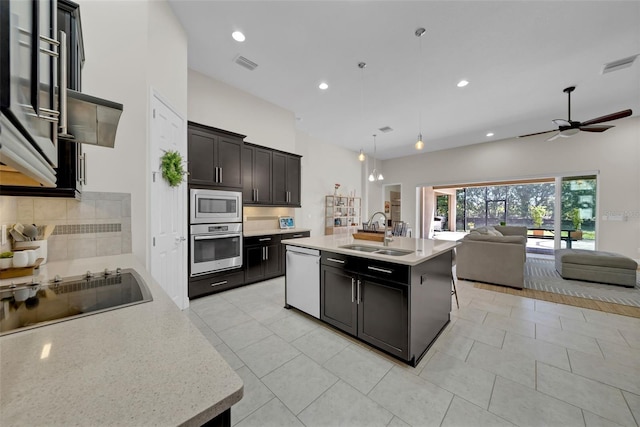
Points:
[[595, 128], [557, 135], [561, 122], [537, 133], [608, 117]]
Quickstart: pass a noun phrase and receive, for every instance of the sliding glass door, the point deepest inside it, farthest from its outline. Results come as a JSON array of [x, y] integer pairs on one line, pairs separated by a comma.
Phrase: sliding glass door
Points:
[[578, 215]]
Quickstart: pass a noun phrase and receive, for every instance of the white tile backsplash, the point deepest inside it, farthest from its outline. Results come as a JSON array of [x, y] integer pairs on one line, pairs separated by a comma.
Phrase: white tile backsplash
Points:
[[111, 211]]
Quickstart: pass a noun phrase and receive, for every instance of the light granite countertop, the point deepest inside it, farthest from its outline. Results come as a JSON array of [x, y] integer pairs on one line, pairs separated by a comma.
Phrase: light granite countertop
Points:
[[422, 249], [274, 231], [145, 364]]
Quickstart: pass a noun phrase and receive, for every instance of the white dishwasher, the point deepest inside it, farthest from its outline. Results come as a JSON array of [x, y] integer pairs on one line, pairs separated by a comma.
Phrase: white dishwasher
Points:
[[303, 279]]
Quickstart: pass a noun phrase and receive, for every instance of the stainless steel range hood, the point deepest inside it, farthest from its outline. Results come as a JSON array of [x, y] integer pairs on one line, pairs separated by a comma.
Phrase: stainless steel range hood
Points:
[[92, 120]]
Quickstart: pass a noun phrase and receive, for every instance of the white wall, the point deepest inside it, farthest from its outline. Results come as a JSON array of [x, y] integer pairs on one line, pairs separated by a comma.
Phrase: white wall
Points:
[[615, 154], [323, 166], [214, 103], [131, 46], [217, 104]]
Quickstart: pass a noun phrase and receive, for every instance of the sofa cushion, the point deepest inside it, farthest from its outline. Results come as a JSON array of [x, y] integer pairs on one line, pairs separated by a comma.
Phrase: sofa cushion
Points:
[[496, 239], [487, 231]]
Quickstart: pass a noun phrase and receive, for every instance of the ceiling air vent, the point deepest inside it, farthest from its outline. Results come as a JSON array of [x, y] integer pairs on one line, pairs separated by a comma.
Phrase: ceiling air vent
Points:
[[246, 63], [619, 64], [385, 129]]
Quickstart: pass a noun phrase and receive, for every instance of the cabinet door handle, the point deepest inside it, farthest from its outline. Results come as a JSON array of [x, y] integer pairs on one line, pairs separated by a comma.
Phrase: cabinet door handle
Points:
[[216, 177], [297, 235], [353, 285], [359, 300], [257, 194], [220, 175], [265, 239], [266, 253], [84, 168], [224, 282], [381, 270], [340, 261], [62, 84]]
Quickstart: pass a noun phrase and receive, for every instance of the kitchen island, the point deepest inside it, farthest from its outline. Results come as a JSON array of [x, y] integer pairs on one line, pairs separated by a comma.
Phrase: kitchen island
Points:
[[396, 298], [145, 364]]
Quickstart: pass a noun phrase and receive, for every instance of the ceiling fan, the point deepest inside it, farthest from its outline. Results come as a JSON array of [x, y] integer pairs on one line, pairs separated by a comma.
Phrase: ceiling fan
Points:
[[567, 128]]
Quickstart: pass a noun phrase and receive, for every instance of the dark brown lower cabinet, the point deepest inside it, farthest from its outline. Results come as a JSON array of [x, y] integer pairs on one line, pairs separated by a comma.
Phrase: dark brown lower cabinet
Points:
[[376, 311], [396, 308], [261, 258], [215, 282], [337, 299], [383, 316]]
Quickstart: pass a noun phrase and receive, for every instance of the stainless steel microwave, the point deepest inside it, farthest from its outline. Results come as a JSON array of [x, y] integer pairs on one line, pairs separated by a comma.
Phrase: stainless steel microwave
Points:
[[215, 206]]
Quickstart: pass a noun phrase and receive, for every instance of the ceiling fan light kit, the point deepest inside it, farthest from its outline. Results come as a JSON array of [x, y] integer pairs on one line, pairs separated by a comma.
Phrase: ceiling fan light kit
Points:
[[568, 127]]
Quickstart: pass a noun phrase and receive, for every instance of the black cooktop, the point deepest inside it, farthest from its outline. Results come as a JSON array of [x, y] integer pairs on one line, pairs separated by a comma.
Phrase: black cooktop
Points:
[[31, 305]]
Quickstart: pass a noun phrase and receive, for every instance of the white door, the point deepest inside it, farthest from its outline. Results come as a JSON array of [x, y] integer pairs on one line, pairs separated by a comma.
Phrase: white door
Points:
[[168, 205]]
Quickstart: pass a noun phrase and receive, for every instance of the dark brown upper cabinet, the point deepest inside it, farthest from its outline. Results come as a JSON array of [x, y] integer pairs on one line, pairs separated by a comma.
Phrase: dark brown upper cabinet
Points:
[[71, 169], [214, 157], [286, 179], [256, 170]]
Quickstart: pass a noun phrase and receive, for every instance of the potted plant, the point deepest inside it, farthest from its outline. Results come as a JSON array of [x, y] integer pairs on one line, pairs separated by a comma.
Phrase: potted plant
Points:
[[503, 223], [537, 215], [577, 224], [6, 260], [471, 225]]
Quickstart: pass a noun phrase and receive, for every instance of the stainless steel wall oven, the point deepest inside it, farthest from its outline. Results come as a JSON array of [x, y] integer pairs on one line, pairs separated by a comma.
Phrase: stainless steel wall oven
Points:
[[215, 247]]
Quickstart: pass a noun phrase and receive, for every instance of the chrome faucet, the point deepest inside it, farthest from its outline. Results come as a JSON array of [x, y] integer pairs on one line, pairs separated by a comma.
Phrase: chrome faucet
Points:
[[387, 233]]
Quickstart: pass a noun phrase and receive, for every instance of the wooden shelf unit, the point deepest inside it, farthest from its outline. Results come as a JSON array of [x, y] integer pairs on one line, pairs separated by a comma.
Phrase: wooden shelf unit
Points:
[[343, 214]]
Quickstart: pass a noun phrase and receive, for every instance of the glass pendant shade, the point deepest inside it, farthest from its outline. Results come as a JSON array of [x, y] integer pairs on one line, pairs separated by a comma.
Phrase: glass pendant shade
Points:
[[380, 177], [361, 156], [371, 177], [419, 144]]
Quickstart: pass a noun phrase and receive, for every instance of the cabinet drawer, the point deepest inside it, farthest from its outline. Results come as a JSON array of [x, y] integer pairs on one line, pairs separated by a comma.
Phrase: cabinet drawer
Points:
[[262, 240], [215, 283], [339, 260], [297, 235], [385, 270]]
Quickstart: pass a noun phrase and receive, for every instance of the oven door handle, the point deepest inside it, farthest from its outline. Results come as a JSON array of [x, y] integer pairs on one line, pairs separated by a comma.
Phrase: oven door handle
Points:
[[217, 236]]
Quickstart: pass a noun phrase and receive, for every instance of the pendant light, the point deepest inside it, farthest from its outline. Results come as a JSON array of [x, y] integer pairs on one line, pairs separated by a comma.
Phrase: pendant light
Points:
[[362, 66], [420, 144], [375, 175]]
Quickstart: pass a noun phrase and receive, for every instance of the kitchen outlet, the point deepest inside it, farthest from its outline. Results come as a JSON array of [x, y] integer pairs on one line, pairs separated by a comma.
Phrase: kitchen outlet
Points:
[[4, 234]]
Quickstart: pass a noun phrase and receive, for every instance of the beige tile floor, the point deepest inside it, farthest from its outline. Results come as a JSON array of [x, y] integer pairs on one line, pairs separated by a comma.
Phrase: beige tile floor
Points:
[[503, 360]]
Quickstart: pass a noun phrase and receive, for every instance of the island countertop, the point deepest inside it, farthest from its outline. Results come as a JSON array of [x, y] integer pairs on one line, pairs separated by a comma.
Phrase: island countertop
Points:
[[145, 364], [422, 249]]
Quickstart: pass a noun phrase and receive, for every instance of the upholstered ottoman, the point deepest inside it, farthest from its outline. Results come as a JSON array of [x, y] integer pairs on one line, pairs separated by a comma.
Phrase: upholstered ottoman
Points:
[[596, 266]]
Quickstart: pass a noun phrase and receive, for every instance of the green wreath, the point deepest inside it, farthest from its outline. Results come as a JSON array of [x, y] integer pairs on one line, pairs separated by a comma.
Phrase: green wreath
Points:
[[172, 168]]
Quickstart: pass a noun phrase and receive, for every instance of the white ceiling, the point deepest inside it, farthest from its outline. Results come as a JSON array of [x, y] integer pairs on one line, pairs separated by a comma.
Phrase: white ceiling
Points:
[[517, 55]]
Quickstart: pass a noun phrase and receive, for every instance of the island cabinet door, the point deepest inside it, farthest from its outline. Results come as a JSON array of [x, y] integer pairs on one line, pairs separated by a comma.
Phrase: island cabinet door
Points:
[[383, 315], [337, 299]]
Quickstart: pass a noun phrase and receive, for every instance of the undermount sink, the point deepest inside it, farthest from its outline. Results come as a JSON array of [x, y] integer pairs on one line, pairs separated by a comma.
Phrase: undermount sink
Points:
[[377, 250], [393, 252], [360, 248]]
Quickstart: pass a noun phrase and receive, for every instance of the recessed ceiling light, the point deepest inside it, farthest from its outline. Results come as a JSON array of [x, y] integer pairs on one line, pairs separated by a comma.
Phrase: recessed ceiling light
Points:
[[490, 134], [238, 36], [323, 86], [462, 83]]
